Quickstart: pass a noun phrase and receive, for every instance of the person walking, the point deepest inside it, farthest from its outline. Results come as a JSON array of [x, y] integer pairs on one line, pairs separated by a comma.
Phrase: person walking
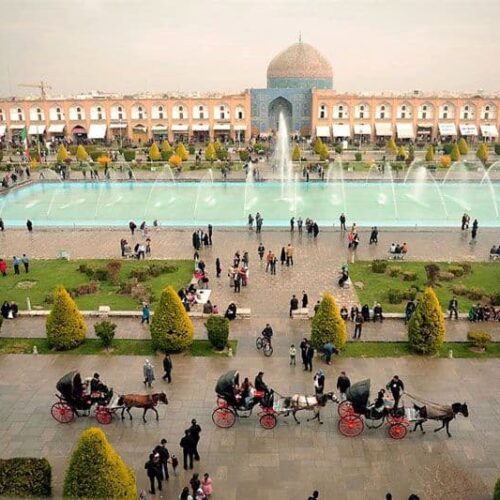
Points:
[[289, 255], [309, 357], [269, 259], [274, 262], [283, 256], [195, 483], [162, 451], [29, 225], [343, 383], [207, 486], [132, 226], [358, 325], [2, 225], [26, 263], [303, 352], [396, 387], [293, 353], [319, 382], [218, 268], [342, 220], [473, 234], [453, 308], [194, 432], [3, 267], [300, 223], [294, 305], [305, 299], [167, 368], [210, 232], [314, 496], [187, 446], [15, 264], [146, 313], [292, 224], [260, 251], [149, 373], [153, 471]]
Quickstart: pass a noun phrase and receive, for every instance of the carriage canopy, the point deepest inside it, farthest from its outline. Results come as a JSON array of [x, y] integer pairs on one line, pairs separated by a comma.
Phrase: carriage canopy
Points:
[[358, 395], [70, 386], [226, 383]]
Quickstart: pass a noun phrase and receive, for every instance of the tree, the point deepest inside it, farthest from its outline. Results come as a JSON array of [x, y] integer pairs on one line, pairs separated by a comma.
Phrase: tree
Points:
[[426, 330], [318, 145], [62, 154], [175, 161], [154, 152], [482, 152], [297, 153], [445, 161], [105, 330], [165, 146], [327, 324], [411, 153], [210, 152], [391, 147], [496, 493], [463, 147], [65, 326], [171, 328], [182, 152], [429, 155], [97, 471], [402, 153], [455, 153], [218, 331], [324, 153], [81, 154]]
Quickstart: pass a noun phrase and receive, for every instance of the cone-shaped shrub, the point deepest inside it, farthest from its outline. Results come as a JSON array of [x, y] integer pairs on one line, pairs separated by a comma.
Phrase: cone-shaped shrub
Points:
[[65, 325], [463, 147], [154, 152], [175, 161], [165, 146], [62, 154], [426, 330], [455, 153], [391, 147], [429, 155], [324, 154], [482, 152], [297, 153], [81, 153], [210, 153], [171, 328], [182, 152], [327, 324], [97, 471], [318, 145]]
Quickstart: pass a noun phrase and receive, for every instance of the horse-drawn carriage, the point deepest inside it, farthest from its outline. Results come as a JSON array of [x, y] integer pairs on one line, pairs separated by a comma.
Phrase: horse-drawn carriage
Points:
[[76, 398]]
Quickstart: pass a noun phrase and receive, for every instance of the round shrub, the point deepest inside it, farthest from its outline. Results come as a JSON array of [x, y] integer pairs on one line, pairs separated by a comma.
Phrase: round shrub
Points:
[[409, 276], [218, 331], [432, 272], [129, 154], [446, 276], [393, 271], [244, 155], [494, 300], [475, 293], [459, 289], [394, 296], [25, 477], [379, 266], [327, 324], [479, 339], [105, 330], [466, 266], [457, 271]]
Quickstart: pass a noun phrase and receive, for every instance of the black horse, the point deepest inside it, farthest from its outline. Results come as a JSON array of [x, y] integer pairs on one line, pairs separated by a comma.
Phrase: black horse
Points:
[[445, 414]]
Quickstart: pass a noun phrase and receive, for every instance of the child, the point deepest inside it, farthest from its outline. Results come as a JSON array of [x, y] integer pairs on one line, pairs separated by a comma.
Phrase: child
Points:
[[175, 462], [293, 352]]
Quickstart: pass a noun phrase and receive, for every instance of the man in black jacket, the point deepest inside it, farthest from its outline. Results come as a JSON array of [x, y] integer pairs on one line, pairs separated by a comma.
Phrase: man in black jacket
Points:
[[309, 357], [453, 308], [396, 387], [167, 367], [294, 304], [187, 445], [194, 432], [303, 352], [343, 383], [162, 451], [153, 471]]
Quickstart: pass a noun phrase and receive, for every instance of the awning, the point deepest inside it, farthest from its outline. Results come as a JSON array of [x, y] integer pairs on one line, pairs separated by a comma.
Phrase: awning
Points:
[[486, 131], [36, 129], [362, 129], [16, 127], [240, 127], [78, 130], [56, 128], [222, 126], [467, 129], [322, 131], [405, 131], [180, 128], [2, 130], [97, 131], [140, 128], [383, 129], [200, 127], [118, 125], [424, 128], [447, 129], [159, 128], [341, 130]]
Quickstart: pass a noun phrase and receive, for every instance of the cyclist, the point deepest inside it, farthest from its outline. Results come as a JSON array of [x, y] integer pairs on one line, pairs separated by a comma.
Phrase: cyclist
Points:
[[267, 333]]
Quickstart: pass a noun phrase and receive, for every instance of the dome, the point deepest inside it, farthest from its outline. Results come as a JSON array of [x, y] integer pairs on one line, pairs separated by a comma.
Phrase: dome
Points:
[[300, 65]]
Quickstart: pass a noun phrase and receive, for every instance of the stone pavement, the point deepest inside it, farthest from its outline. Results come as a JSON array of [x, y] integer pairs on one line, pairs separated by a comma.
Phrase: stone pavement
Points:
[[247, 462]]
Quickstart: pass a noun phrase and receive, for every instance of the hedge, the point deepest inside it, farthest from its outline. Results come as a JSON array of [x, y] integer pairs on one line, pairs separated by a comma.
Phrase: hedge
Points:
[[218, 331], [25, 477]]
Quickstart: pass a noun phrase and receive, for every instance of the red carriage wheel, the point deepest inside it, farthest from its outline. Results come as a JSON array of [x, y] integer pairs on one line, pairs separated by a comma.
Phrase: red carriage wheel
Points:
[[221, 403], [345, 409], [397, 431], [268, 421], [62, 412], [351, 425], [223, 417], [103, 415]]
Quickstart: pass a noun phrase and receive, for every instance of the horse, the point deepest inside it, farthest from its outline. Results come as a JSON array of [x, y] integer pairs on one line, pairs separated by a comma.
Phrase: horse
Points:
[[299, 402], [442, 413], [146, 401]]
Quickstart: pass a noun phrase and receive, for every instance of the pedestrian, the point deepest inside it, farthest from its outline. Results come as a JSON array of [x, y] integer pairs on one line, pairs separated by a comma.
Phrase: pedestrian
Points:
[[194, 432], [218, 268], [343, 383], [303, 352], [358, 325], [162, 451], [300, 222], [342, 222], [26, 263], [195, 483], [29, 225], [2, 225], [319, 382], [314, 496], [207, 486], [167, 368], [250, 222], [210, 232], [283, 256], [185, 495], [293, 352], [315, 229], [153, 471], [3, 267], [473, 234], [237, 281], [309, 357], [174, 461], [187, 446], [15, 264], [289, 255], [260, 251], [145, 313], [132, 226], [464, 221], [294, 305], [374, 235], [149, 373], [305, 299], [274, 261], [396, 386], [453, 308], [292, 224]]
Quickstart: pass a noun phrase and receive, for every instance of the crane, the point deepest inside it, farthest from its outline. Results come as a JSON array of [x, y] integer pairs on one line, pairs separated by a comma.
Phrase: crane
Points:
[[42, 86]]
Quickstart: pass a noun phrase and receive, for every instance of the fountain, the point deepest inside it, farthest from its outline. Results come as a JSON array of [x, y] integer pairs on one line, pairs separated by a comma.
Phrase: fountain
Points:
[[335, 182], [250, 193], [47, 174], [209, 199], [164, 175]]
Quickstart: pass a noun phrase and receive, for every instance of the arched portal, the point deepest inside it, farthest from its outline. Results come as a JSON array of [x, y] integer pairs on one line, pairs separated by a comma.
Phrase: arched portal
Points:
[[277, 106]]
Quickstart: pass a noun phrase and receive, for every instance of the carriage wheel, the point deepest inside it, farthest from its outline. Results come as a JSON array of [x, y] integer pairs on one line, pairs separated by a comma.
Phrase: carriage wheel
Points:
[[258, 343], [62, 412], [103, 415], [345, 409], [268, 421], [221, 403], [351, 425], [223, 417], [397, 431], [268, 350]]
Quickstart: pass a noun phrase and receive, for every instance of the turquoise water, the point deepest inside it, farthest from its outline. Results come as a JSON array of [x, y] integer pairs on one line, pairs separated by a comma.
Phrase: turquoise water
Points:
[[228, 204]]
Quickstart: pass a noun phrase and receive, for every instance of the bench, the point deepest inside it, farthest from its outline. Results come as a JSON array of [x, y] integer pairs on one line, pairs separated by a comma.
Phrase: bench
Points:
[[494, 256], [104, 310], [301, 313], [396, 256], [243, 313]]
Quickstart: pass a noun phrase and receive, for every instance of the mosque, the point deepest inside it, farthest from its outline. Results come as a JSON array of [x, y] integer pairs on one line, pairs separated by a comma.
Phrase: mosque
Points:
[[299, 84]]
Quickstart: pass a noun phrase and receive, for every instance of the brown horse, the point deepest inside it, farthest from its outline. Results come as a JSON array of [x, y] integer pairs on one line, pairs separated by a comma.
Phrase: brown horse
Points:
[[146, 401]]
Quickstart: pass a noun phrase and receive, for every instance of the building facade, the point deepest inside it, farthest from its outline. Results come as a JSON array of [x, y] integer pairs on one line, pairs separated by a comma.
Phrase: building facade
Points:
[[299, 86]]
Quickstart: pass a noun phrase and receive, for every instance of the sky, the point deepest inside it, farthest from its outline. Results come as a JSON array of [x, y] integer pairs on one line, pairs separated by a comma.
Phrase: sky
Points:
[[128, 46]]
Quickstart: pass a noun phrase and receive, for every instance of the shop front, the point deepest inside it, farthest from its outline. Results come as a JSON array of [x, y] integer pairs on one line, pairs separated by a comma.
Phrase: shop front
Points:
[[383, 132], [181, 133], [362, 133], [469, 132], [489, 133], [56, 132], [97, 132], [240, 133], [424, 133], [140, 134], [323, 132], [201, 134], [447, 132], [160, 133], [222, 132], [79, 134], [405, 132], [118, 133], [341, 133]]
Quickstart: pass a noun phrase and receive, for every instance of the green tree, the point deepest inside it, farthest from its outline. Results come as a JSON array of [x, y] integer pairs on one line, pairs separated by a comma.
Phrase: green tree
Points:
[[218, 331], [182, 152], [165, 146], [324, 154], [426, 331], [402, 153], [318, 145], [96, 470], [411, 153], [455, 153], [429, 155], [496, 493], [62, 154], [391, 147], [65, 326], [81, 154], [297, 153], [154, 152], [210, 153], [171, 328], [482, 152], [463, 147], [327, 324]]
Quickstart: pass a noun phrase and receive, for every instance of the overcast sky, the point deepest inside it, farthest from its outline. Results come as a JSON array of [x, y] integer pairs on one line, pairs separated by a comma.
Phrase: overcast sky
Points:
[[225, 45]]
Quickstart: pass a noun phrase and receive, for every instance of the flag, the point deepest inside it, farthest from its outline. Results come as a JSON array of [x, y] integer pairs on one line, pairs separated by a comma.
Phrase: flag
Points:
[[24, 138]]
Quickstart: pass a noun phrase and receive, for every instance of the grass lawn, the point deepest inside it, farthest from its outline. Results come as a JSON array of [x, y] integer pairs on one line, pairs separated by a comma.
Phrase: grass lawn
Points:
[[121, 347], [485, 275], [45, 275]]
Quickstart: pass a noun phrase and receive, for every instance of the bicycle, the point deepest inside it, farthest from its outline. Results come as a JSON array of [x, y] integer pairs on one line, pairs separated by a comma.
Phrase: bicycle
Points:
[[264, 344]]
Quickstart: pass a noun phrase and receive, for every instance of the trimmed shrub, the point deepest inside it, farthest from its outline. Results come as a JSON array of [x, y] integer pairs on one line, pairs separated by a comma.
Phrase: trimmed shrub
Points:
[[429, 155], [426, 330], [496, 493], [358, 156], [297, 153], [394, 296], [105, 330], [393, 271], [165, 155], [409, 276], [86, 289], [479, 339], [466, 266], [244, 155], [210, 153], [182, 152], [327, 324], [446, 276], [97, 471], [62, 154], [95, 155], [482, 152], [166, 147], [175, 161], [447, 148], [171, 328], [65, 325], [475, 293], [318, 145], [25, 477], [457, 271], [494, 300], [463, 147], [455, 153], [129, 154], [81, 153], [379, 266], [391, 147], [432, 272], [459, 289], [154, 152], [113, 269], [445, 161], [338, 149], [218, 331]]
